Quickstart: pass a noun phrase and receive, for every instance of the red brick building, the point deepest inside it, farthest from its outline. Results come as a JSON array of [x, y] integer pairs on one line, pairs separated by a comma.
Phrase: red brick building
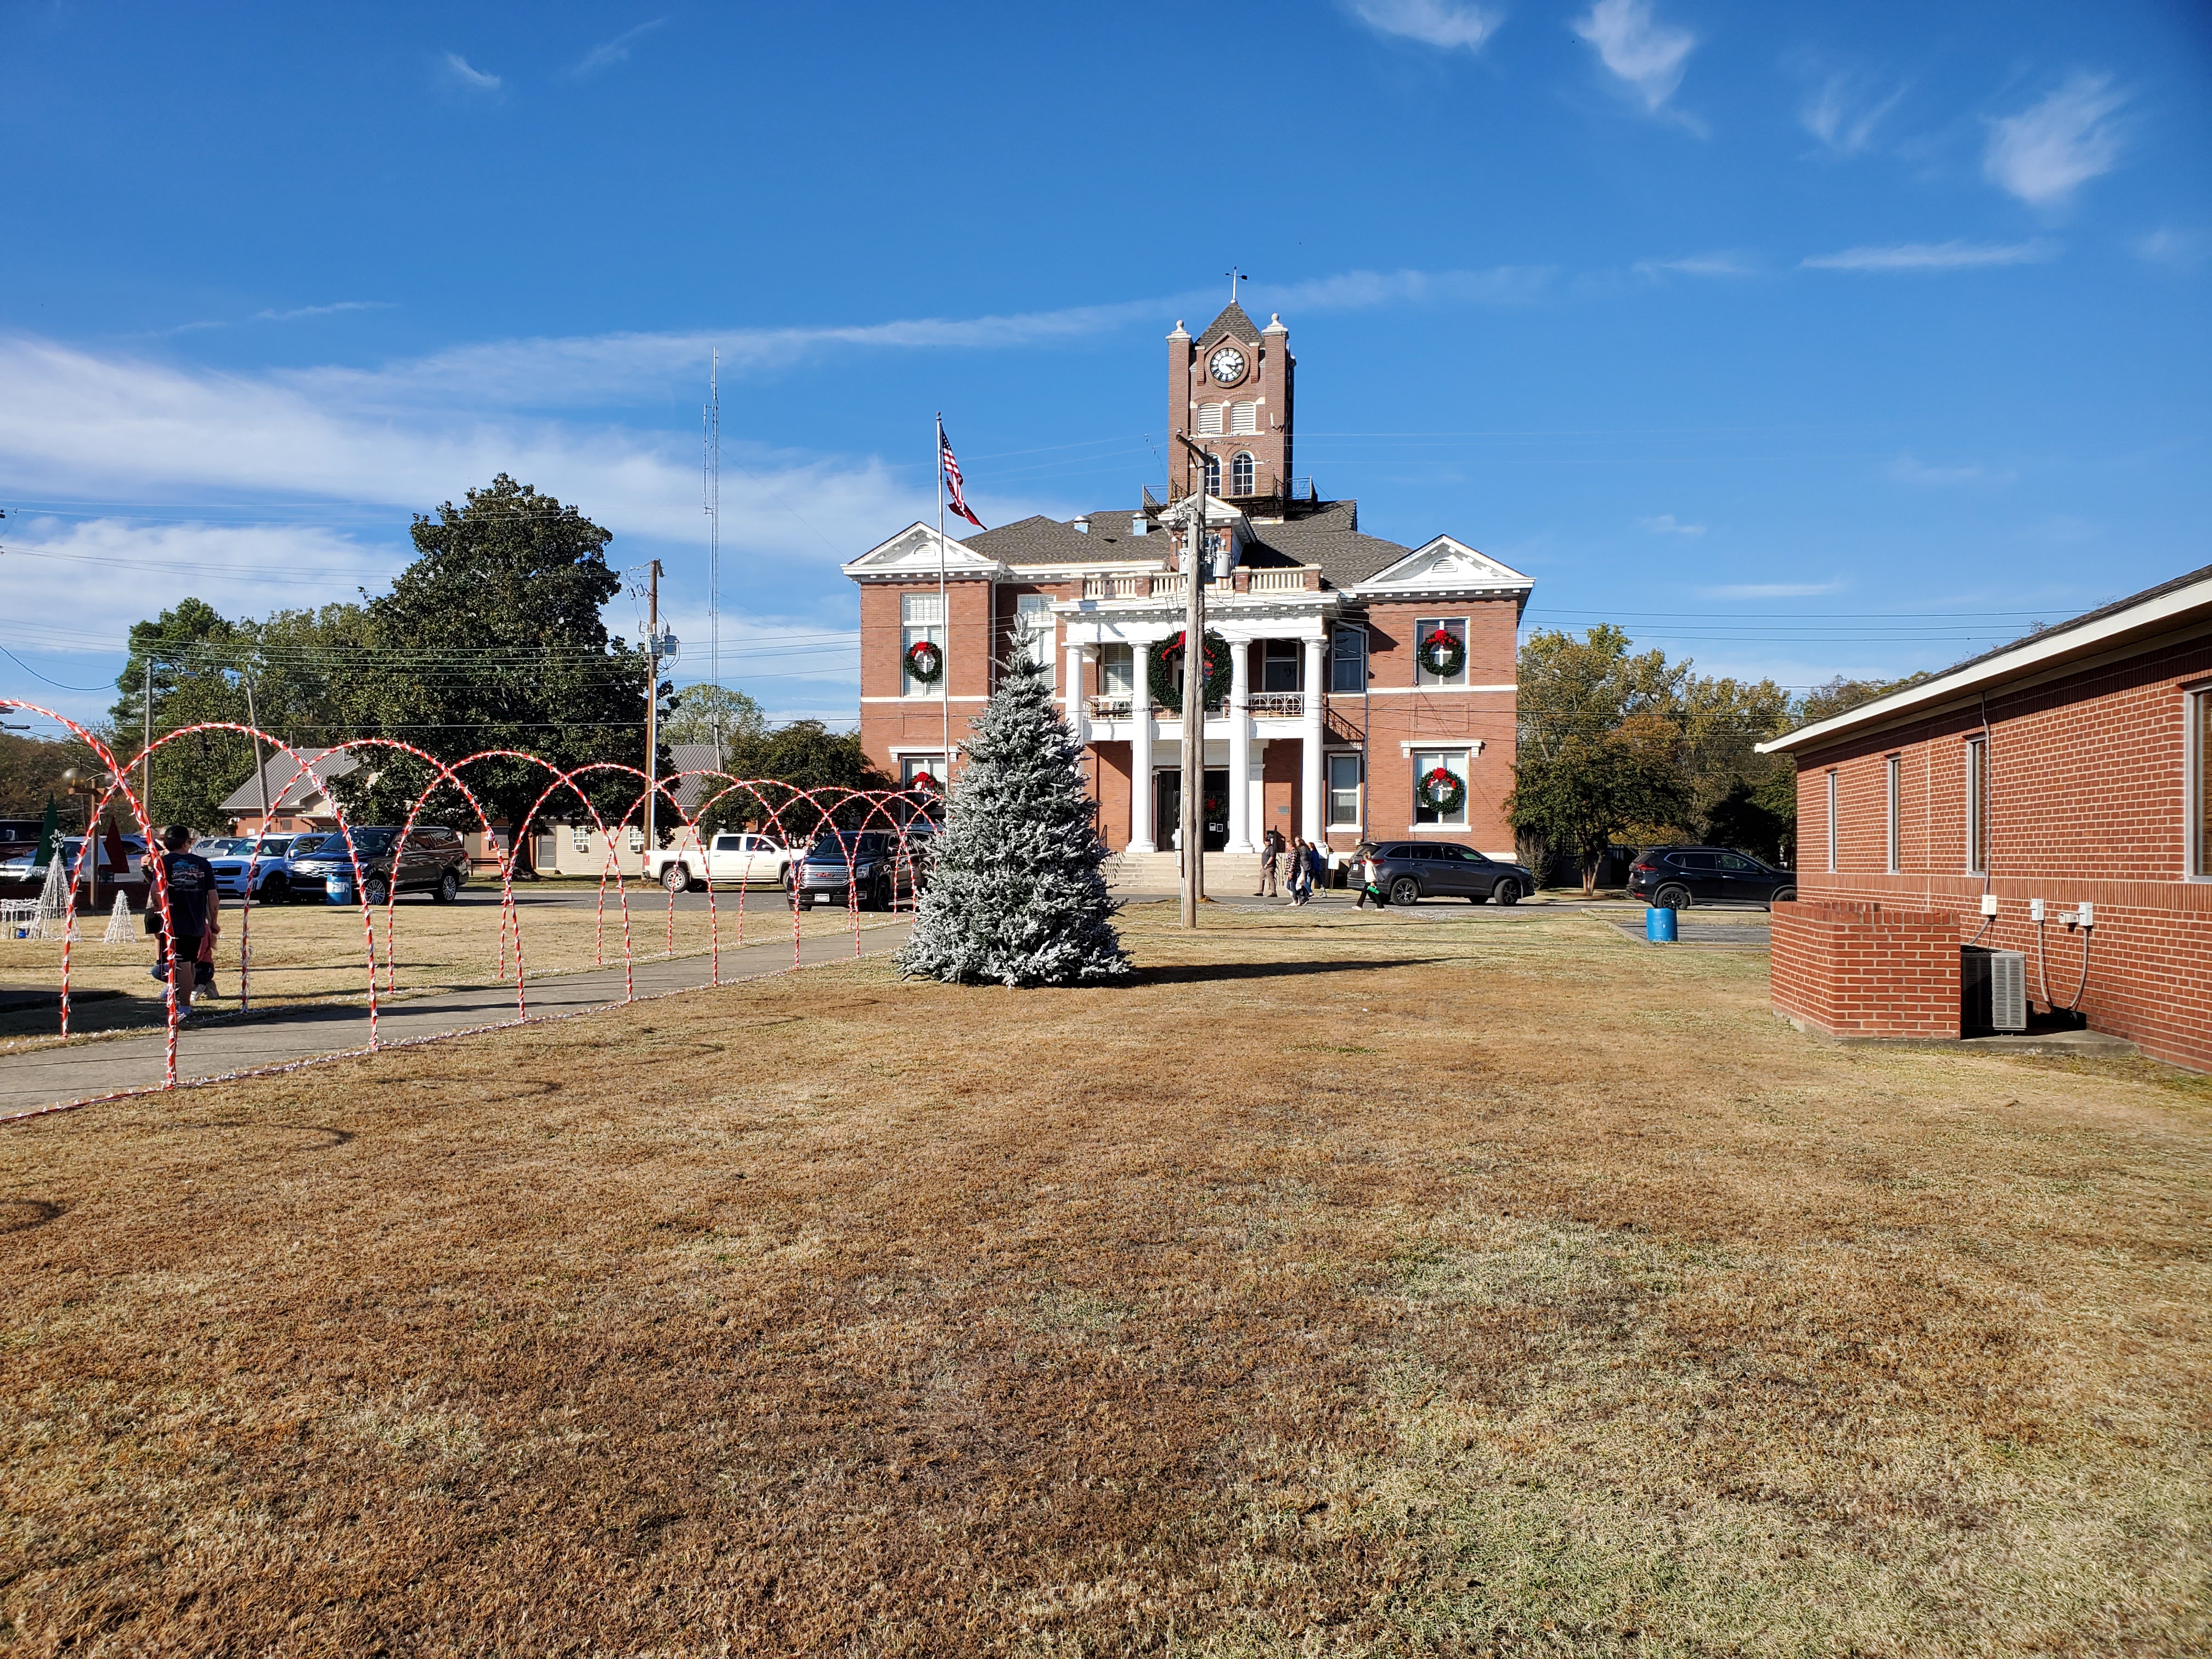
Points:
[[1331, 713], [2071, 772]]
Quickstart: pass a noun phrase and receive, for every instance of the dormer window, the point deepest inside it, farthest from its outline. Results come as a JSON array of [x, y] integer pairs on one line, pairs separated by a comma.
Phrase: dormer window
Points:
[[1240, 473], [1214, 475]]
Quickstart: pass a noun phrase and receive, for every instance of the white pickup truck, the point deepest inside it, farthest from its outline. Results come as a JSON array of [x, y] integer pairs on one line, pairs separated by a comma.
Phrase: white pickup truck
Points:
[[733, 859]]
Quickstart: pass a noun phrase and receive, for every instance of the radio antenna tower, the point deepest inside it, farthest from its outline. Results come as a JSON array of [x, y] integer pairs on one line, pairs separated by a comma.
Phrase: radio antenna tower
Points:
[[713, 503]]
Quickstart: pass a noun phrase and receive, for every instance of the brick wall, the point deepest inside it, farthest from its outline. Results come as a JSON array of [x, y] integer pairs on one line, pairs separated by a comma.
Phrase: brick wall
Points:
[[1443, 717], [1859, 969], [2085, 802]]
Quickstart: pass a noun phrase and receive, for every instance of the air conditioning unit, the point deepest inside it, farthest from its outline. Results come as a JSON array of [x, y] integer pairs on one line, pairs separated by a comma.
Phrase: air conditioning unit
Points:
[[1992, 991]]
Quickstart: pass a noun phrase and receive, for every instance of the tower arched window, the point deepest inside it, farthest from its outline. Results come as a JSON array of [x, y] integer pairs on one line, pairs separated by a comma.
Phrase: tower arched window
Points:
[[1240, 473], [1214, 475]]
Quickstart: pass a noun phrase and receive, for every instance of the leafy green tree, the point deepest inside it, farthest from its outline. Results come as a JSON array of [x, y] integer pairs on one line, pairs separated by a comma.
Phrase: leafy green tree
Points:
[[703, 713], [804, 754], [31, 768], [493, 638], [194, 657], [1576, 795], [1840, 696]]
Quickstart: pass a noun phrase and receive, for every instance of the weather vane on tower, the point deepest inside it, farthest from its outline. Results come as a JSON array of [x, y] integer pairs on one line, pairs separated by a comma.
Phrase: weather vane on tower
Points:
[[1235, 276]]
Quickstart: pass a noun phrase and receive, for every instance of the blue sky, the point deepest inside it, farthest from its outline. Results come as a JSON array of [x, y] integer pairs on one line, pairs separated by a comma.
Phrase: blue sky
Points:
[[1800, 339]]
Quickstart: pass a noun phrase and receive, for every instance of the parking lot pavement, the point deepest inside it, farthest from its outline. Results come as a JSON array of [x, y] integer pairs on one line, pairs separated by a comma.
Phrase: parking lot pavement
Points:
[[224, 1045]]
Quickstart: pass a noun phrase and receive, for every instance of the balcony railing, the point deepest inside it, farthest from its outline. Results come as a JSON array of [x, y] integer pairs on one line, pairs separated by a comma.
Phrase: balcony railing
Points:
[[1278, 705], [1279, 581], [1136, 586], [1117, 707]]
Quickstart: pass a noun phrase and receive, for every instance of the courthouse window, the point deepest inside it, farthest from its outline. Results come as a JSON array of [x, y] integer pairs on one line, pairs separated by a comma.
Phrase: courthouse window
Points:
[[1240, 474], [1348, 660], [1453, 761], [1423, 631], [1343, 792], [921, 616], [1033, 631], [1891, 768], [1117, 671]]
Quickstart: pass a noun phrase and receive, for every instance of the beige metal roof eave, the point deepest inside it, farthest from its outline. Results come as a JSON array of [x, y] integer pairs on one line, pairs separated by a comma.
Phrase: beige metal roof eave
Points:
[[2047, 656]]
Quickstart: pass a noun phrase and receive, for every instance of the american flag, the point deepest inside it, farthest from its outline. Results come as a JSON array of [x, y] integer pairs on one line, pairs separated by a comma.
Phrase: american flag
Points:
[[959, 502]]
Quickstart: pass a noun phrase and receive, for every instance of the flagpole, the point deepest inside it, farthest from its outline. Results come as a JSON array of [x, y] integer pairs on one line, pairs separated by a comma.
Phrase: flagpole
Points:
[[944, 618]]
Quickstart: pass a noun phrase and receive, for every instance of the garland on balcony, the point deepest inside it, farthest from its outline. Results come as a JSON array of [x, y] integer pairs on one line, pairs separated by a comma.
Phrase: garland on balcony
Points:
[[925, 661], [1165, 680], [1443, 654], [1441, 792]]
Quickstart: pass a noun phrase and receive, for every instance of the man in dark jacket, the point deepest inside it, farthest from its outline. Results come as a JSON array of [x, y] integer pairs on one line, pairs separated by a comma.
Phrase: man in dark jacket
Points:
[[194, 901]]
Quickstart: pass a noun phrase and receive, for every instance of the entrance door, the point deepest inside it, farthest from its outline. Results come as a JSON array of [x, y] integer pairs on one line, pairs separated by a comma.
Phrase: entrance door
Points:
[[1167, 807]]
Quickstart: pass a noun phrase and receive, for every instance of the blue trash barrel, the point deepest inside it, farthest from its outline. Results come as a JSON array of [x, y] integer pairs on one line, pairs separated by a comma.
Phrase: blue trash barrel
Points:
[[1659, 925], [338, 889]]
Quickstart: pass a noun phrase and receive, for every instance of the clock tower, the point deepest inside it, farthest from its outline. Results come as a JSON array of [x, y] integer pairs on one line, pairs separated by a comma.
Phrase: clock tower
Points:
[[1230, 392]]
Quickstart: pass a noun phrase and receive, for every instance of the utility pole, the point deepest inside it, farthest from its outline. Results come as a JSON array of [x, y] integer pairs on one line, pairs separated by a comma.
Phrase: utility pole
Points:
[[1193, 815], [146, 755], [652, 693]]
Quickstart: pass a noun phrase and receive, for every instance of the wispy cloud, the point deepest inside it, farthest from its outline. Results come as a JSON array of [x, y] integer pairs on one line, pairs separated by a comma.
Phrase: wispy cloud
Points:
[[1667, 525], [1842, 112], [1363, 290], [1448, 23], [331, 310], [2177, 250], [463, 73], [1934, 256], [1698, 265], [615, 50], [1909, 468], [1772, 590], [2047, 152], [1647, 56], [598, 369]]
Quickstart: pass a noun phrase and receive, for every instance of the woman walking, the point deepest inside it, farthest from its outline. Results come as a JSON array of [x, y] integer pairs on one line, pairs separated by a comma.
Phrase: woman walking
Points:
[[1300, 880], [1371, 879]]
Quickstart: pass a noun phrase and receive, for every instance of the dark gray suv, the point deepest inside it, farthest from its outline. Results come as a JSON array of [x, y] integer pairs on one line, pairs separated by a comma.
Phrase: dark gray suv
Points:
[[1415, 869], [1679, 877], [434, 861], [881, 867]]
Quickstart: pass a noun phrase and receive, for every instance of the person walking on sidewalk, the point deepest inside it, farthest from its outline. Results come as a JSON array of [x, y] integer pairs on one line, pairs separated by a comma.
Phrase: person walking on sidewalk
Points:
[[1271, 853], [1298, 883], [1370, 875], [187, 949]]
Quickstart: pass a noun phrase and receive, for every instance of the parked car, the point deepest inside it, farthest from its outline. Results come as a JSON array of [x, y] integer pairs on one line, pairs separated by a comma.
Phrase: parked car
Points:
[[733, 859], [21, 865], [1679, 877], [221, 846], [870, 859], [271, 884], [1414, 870], [434, 861]]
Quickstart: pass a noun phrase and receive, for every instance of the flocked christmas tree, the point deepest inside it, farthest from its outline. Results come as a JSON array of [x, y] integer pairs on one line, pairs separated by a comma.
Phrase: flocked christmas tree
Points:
[[1013, 890]]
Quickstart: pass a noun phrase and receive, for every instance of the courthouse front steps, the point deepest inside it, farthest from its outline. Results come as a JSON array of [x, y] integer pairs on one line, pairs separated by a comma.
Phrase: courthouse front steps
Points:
[[1227, 874]]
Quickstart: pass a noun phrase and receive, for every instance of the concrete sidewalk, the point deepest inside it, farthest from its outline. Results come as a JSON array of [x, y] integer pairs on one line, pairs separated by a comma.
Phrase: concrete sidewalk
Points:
[[225, 1044]]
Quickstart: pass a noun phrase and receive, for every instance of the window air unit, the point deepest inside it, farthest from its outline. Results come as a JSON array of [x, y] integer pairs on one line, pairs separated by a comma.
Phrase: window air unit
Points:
[[1992, 991]]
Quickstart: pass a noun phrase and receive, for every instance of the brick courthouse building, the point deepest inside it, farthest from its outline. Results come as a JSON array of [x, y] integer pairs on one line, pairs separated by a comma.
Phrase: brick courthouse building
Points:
[[2072, 767], [1331, 709]]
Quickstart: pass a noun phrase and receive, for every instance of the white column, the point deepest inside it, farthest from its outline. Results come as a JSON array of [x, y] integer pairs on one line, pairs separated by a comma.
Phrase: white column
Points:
[[1078, 719], [1312, 808], [1140, 747], [1240, 746]]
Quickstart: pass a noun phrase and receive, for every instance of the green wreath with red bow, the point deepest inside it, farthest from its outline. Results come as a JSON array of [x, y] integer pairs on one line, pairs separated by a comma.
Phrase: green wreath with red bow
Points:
[[1442, 791], [1165, 677], [925, 661], [1443, 654]]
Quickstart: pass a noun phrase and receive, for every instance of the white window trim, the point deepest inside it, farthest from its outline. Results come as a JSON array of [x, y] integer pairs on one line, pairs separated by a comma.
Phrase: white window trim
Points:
[[1458, 681], [2196, 774], [1978, 805], [1893, 770], [1328, 789], [1832, 820], [1466, 755]]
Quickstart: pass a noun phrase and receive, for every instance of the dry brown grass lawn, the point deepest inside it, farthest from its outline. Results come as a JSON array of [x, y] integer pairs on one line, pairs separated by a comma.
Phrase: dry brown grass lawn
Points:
[[306, 953], [1352, 1285]]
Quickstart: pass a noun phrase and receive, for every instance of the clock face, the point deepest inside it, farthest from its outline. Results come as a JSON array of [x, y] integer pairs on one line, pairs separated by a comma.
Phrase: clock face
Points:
[[1226, 365]]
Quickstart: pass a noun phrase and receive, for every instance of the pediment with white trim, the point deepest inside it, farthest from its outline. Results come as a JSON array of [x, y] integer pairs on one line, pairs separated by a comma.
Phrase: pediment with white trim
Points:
[[913, 552], [1446, 565]]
